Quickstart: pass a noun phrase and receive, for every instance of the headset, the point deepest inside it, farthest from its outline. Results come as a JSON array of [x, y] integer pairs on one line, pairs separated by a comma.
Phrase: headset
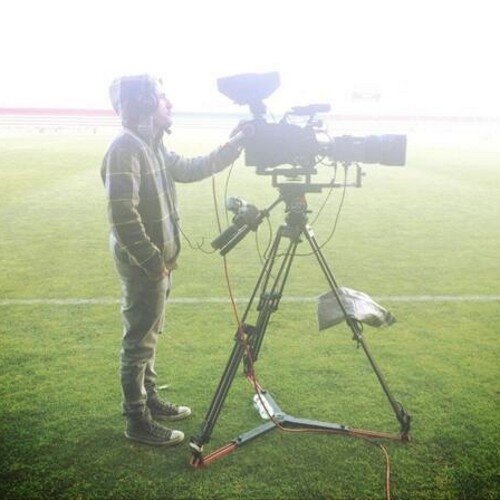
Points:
[[147, 102], [138, 95]]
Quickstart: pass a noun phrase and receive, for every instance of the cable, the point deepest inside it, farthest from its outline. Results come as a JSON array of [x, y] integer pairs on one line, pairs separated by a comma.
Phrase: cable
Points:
[[387, 466], [261, 260], [263, 255], [226, 188], [241, 333], [339, 210], [198, 246], [326, 199], [271, 235]]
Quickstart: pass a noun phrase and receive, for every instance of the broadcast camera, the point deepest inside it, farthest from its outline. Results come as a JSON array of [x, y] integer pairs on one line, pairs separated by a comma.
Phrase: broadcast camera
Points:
[[271, 145], [290, 153]]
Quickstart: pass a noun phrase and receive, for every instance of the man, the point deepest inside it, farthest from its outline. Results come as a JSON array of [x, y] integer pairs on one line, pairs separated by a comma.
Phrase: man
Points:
[[139, 174]]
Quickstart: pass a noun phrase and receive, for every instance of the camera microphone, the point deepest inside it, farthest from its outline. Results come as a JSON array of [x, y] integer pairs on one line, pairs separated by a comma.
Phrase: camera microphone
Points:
[[235, 204], [311, 109]]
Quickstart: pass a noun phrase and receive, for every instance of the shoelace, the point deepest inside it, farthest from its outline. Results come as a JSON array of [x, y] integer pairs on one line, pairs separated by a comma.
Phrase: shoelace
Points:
[[158, 430], [160, 405]]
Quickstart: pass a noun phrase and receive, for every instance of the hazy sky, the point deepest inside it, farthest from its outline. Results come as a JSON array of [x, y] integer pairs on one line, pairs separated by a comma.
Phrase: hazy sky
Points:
[[436, 57]]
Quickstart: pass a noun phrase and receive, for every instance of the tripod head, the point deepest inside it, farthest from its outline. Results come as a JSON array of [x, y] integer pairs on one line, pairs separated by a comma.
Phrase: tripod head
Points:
[[248, 217]]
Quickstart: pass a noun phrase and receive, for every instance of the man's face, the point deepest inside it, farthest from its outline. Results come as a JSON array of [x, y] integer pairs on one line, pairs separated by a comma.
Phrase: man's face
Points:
[[162, 117]]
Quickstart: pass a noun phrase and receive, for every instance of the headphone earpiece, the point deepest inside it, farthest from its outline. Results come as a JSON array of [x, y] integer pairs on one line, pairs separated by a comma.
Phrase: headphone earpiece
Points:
[[138, 98], [148, 103]]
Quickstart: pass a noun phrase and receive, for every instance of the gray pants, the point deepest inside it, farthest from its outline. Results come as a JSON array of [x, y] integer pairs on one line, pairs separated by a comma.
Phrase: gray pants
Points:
[[143, 312]]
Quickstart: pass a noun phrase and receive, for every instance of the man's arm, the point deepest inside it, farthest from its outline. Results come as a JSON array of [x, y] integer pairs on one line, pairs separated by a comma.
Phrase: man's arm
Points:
[[122, 179], [194, 169]]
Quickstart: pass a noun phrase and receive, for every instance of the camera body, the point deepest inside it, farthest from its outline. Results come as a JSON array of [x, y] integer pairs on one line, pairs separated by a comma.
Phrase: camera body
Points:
[[271, 145]]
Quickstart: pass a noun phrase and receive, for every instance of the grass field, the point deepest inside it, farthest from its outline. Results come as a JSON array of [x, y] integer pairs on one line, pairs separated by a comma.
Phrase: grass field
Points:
[[431, 230]]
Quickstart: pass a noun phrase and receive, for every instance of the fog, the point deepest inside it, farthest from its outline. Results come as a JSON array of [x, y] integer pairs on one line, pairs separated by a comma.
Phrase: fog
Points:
[[386, 57]]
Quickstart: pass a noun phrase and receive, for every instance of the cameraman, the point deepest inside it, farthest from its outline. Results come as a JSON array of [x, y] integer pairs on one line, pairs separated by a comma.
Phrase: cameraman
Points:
[[139, 175]]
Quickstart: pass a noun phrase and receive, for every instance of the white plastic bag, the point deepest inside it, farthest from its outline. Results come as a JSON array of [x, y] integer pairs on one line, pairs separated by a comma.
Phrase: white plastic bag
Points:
[[358, 305]]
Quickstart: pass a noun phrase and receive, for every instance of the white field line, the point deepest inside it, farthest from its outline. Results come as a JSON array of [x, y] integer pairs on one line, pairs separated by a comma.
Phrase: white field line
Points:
[[223, 300]]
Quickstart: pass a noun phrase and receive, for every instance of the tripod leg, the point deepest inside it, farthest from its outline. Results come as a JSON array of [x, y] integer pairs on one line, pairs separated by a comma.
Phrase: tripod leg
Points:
[[248, 338], [403, 417], [271, 295], [197, 442]]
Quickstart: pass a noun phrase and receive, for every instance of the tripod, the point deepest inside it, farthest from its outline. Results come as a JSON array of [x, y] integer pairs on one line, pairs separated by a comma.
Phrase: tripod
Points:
[[248, 339]]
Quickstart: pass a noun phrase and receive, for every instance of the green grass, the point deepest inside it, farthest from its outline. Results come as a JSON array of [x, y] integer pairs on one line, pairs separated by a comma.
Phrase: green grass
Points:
[[429, 229]]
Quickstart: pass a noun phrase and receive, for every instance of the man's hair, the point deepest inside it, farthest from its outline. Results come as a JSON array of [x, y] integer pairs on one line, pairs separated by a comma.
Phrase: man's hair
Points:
[[134, 97]]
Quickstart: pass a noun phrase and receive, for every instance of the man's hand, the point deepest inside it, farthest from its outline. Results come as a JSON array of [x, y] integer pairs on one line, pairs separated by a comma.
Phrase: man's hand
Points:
[[165, 273], [231, 150], [245, 127]]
